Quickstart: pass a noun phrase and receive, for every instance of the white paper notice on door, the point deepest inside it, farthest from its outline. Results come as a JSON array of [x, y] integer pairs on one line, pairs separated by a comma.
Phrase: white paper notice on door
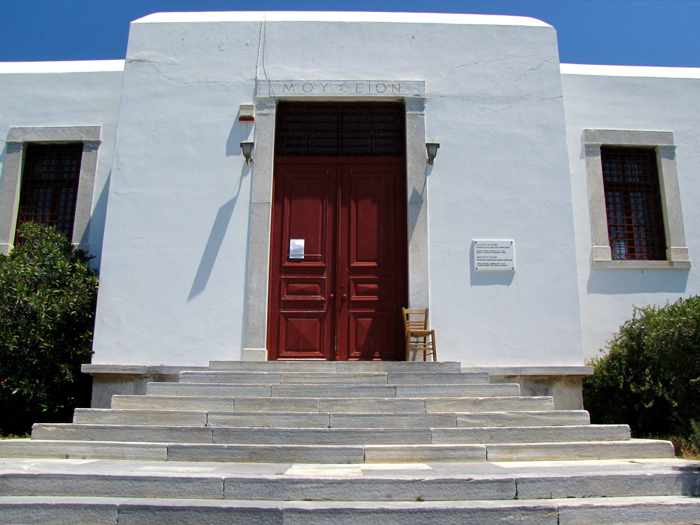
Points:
[[296, 249]]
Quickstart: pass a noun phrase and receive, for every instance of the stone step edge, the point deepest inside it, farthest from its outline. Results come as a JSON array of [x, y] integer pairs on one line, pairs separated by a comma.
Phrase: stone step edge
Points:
[[353, 391], [273, 504], [495, 386], [330, 373], [383, 405], [335, 378], [326, 412], [118, 426], [319, 399], [282, 487], [649, 509], [300, 414], [339, 436], [332, 364], [396, 406], [343, 454]]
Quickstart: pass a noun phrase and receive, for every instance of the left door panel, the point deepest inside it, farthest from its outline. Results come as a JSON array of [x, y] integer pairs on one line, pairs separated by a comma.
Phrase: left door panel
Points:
[[301, 310]]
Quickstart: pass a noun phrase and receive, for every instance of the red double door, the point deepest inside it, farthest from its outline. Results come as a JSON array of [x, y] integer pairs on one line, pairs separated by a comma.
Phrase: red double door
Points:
[[340, 297]]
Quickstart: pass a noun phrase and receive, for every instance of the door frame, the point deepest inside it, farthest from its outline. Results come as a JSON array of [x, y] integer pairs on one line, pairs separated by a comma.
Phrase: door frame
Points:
[[254, 336]]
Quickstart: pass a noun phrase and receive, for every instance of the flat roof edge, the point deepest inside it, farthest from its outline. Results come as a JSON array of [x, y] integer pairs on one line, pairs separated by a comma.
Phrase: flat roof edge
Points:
[[340, 16], [630, 71], [67, 66]]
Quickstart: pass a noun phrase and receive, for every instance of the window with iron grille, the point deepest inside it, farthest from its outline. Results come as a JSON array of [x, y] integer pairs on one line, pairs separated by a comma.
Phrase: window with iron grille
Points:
[[633, 203], [49, 185]]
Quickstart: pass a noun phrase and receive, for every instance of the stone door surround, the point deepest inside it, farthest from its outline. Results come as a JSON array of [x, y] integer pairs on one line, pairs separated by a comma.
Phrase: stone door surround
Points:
[[268, 92]]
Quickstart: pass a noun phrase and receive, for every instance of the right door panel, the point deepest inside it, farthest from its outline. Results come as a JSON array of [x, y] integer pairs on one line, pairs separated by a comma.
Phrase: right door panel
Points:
[[371, 259]]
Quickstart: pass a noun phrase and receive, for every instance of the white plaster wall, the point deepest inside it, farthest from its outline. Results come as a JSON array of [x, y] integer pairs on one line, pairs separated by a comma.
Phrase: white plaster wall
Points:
[[637, 99], [174, 257], [66, 94]]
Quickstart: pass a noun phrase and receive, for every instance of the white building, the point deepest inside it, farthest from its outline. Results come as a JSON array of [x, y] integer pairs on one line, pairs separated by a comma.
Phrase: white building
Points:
[[193, 243]]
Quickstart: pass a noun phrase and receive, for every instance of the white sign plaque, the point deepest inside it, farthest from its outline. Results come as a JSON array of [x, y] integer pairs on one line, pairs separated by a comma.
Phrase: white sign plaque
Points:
[[494, 255], [296, 248]]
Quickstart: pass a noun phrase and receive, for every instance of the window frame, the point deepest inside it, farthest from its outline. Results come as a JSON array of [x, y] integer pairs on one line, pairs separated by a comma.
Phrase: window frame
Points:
[[662, 143], [10, 184]]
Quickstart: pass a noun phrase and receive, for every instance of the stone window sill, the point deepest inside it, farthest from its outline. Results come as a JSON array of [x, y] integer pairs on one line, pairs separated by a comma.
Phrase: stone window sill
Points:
[[640, 265]]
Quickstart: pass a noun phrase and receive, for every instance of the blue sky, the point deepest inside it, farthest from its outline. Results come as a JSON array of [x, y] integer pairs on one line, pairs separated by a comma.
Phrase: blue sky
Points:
[[645, 32]]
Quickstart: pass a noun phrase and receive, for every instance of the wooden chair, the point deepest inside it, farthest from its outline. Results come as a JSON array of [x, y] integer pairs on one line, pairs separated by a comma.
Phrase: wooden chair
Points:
[[419, 336]]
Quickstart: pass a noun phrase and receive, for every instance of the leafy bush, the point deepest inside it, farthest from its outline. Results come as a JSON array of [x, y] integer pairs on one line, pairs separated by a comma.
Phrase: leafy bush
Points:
[[650, 376], [47, 310], [694, 435]]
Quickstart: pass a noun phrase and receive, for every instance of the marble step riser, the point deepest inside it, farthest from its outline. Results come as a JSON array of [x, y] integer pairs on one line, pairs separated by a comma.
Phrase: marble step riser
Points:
[[349, 489], [354, 406], [336, 367], [348, 454], [379, 436], [269, 378], [106, 511], [320, 420], [344, 391]]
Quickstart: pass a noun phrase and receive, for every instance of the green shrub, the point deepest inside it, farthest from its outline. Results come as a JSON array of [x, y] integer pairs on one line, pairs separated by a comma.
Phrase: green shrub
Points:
[[650, 376], [47, 310]]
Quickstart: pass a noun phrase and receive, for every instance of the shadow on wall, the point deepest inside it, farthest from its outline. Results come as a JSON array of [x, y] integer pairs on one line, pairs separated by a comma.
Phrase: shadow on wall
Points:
[[239, 132], [96, 225], [637, 281], [487, 278], [223, 215], [415, 203], [3, 151]]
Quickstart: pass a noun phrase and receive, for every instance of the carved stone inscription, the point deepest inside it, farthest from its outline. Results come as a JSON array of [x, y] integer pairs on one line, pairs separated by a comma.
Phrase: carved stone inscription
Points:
[[340, 88]]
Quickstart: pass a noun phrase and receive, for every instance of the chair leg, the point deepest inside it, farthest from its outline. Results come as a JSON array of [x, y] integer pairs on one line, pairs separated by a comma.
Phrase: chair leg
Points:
[[432, 333]]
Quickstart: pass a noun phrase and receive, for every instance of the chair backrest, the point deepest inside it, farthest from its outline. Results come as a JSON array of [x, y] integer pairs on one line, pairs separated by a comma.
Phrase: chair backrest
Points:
[[415, 318]]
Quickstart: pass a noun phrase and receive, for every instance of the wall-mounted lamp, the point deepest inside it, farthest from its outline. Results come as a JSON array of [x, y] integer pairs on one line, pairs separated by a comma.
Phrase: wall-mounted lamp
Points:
[[431, 148], [247, 150]]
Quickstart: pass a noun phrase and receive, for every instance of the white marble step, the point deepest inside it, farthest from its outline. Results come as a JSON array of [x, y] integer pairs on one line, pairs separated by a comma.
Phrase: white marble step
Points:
[[332, 390], [381, 482], [368, 378], [673, 510], [329, 436], [335, 405], [276, 378], [328, 420], [335, 454], [300, 365]]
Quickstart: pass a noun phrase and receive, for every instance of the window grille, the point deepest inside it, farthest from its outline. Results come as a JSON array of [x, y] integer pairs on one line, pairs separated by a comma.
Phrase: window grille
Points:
[[49, 185], [322, 128], [633, 203]]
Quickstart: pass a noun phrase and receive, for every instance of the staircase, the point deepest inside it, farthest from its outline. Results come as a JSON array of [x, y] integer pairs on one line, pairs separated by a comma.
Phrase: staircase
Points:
[[318, 442]]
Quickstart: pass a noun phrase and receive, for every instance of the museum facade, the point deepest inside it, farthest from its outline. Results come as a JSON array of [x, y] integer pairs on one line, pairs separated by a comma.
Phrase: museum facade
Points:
[[278, 185]]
